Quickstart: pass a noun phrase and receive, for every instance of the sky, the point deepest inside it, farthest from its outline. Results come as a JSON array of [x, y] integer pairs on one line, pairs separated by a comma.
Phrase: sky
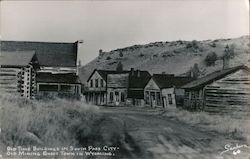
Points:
[[110, 24]]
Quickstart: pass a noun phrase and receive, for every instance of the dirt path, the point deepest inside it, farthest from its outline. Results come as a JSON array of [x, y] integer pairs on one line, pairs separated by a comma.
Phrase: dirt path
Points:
[[160, 137]]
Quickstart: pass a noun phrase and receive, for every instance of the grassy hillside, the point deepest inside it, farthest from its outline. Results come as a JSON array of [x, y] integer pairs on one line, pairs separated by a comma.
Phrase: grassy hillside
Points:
[[171, 57]]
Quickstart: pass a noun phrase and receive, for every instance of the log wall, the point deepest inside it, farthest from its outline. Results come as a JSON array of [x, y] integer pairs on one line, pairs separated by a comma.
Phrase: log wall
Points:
[[230, 94]]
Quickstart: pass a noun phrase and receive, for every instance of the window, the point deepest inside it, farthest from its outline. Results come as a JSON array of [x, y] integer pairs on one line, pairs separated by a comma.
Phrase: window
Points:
[[186, 94], [111, 96], [66, 88], [96, 83], [43, 87], [91, 83], [122, 97], [147, 97], [117, 96], [102, 84], [158, 98], [170, 100]]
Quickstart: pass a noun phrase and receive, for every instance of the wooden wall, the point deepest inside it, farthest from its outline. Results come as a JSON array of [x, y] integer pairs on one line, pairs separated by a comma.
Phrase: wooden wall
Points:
[[229, 94], [8, 79], [117, 80]]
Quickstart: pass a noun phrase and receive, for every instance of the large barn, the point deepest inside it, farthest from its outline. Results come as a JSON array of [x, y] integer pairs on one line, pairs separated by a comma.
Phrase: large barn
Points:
[[223, 91], [43, 59]]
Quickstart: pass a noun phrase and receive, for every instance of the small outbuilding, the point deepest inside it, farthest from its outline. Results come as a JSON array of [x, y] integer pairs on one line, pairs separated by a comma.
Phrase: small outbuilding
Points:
[[164, 90], [222, 91]]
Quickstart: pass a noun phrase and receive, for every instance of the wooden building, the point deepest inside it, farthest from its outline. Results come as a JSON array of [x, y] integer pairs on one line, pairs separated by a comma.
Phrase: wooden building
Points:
[[56, 60], [117, 88], [108, 87], [137, 82], [96, 89], [17, 72], [61, 85], [222, 91], [127, 87], [164, 90]]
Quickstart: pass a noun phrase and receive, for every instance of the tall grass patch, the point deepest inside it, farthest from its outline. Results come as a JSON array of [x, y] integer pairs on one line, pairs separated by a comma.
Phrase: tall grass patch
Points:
[[225, 124], [44, 122]]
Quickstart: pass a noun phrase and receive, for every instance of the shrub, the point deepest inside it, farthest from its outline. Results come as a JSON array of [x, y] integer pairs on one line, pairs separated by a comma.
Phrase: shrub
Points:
[[193, 44], [211, 58], [121, 54], [213, 44], [108, 58], [141, 55]]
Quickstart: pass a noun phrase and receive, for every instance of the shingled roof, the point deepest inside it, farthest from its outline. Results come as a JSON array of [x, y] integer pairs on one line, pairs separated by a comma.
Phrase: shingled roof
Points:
[[201, 82], [169, 80], [48, 53], [17, 59], [46, 77]]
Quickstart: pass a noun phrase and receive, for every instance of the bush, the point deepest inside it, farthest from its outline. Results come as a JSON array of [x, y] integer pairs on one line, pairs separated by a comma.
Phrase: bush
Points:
[[141, 55], [193, 44], [211, 58], [108, 58], [121, 54], [213, 44]]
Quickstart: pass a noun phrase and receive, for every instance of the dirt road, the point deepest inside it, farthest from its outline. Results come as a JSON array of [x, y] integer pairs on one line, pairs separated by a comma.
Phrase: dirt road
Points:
[[157, 136]]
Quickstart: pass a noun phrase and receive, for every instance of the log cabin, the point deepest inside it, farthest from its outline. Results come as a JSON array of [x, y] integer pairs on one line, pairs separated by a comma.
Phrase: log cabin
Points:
[[55, 60], [164, 90], [17, 72], [223, 91]]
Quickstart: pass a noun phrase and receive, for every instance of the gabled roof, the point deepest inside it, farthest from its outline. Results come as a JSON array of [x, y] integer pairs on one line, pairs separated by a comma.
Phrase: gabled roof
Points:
[[69, 78], [201, 82], [48, 53], [139, 79], [169, 80], [17, 59], [103, 73]]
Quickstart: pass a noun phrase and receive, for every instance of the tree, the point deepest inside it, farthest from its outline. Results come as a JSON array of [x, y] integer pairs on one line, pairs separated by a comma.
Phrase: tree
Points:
[[211, 59], [228, 54], [229, 51], [119, 67], [121, 54], [195, 71]]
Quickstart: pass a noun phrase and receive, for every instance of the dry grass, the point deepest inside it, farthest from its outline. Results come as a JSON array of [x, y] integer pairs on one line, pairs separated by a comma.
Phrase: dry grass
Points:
[[225, 124], [47, 123]]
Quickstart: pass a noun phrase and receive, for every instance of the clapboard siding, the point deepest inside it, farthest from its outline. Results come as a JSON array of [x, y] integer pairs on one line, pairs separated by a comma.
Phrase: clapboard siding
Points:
[[230, 94]]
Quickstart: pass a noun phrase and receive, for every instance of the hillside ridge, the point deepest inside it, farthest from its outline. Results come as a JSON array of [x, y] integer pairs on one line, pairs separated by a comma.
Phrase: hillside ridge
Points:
[[176, 57]]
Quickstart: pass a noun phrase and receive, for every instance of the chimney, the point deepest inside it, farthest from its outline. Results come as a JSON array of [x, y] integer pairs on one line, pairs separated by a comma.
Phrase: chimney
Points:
[[138, 73], [78, 45], [132, 71]]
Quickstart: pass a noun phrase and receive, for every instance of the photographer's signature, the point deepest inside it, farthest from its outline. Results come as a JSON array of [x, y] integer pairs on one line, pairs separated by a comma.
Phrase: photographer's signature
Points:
[[235, 150]]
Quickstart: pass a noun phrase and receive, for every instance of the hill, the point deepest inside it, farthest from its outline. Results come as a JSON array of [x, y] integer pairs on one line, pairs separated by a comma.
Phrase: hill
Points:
[[175, 57]]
